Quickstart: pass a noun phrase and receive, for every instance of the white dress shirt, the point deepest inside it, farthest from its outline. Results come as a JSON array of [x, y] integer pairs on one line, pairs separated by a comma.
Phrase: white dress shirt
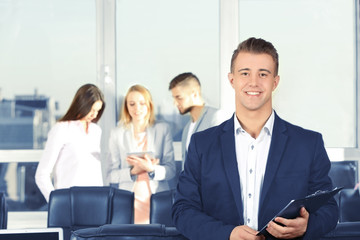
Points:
[[71, 156], [190, 133], [251, 155]]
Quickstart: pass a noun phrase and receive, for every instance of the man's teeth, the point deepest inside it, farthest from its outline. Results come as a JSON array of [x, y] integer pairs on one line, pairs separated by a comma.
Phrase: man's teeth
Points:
[[253, 93]]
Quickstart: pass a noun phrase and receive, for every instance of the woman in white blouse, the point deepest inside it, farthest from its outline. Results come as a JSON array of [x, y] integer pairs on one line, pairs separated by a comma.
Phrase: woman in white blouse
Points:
[[149, 170], [72, 152]]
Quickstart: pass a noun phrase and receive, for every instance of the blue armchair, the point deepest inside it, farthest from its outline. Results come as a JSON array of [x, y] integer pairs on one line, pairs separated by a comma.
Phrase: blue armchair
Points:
[[85, 207], [3, 211], [160, 208]]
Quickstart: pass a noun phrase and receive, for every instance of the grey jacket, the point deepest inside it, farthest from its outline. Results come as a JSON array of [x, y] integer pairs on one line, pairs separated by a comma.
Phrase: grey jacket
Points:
[[209, 117], [159, 141]]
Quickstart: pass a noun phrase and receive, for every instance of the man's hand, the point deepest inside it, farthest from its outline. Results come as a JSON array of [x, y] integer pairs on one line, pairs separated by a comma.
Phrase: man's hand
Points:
[[293, 227], [244, 233]]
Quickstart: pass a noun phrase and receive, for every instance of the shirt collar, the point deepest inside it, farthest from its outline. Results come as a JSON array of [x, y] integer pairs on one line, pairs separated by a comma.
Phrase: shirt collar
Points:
[[268, 127], [237, 126]]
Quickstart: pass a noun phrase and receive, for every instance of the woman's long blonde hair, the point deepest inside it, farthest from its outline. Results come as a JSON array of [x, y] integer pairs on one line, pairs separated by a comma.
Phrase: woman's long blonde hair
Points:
[[125, 117]]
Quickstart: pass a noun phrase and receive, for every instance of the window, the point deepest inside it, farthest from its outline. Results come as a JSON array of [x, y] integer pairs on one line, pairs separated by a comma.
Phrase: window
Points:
[[48, 51], [317, 49], [157, 40]]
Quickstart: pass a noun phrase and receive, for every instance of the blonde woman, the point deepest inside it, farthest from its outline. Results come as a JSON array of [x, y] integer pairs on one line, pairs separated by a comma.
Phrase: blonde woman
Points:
[[142, 155]]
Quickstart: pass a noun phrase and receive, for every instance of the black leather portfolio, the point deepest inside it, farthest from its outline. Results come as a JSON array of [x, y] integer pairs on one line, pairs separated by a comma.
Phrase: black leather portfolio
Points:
[[311, 203]]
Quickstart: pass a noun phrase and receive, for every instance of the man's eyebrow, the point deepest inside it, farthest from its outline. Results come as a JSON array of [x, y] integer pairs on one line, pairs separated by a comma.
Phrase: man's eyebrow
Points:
[[243, 69], [248, 69], [263, 69]]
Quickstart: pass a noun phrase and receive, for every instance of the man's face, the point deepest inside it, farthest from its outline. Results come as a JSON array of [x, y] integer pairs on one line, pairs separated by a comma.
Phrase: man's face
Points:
[[183, 99], [253, 81]]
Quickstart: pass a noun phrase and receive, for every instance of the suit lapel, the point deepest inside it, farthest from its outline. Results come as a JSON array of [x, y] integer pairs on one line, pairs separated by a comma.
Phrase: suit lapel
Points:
[[151, 138], [203, 112], [277, 147], [186, 130], [230, 164], [183, 141]]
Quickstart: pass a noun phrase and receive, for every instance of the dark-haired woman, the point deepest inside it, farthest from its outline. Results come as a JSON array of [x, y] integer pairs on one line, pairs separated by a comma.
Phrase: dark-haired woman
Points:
[[72, 151]]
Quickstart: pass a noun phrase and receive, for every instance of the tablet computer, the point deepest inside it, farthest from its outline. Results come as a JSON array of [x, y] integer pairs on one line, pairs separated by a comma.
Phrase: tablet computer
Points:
[[141, 154], [311, 203]]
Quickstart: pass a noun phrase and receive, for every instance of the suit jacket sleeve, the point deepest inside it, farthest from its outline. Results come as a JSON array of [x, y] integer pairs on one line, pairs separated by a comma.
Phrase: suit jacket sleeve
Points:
[[118, 167], [114, 159], [297, 166], [188, 214], [166, 168], [325, 219]]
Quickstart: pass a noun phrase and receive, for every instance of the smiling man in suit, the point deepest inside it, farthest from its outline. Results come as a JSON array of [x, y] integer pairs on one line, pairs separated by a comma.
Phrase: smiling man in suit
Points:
[[241, 173]]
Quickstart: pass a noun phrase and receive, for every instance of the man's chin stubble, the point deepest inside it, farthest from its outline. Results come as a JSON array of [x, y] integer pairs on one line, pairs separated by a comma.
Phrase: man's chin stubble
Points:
[[187, 110]]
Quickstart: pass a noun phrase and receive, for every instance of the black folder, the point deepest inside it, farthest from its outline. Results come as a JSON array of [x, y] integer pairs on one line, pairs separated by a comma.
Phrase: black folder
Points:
[[311, 203]]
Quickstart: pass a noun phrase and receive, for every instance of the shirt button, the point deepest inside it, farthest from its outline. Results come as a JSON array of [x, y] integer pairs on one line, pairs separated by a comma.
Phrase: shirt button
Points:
[[248, 220], [249, 195], [252, 147], [238, 131], [250, 171]]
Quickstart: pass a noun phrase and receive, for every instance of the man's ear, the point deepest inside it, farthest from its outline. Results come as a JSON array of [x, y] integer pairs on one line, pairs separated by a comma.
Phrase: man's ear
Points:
[[276, 82], [194, 93], [231, 79]]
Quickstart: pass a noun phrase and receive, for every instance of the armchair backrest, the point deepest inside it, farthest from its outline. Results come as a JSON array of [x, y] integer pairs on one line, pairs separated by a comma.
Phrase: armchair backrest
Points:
[[349, 205], [160, 208], [3, 211], [344, 231], [344, 173], [128, 232], [83, 207]]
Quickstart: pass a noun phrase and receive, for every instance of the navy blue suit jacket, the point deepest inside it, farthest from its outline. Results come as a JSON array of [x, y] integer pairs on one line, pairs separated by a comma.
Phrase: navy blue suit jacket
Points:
[[208, 201]]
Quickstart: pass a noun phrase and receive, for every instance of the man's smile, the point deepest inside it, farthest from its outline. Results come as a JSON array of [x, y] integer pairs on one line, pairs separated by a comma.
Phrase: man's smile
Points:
[[253, 93]]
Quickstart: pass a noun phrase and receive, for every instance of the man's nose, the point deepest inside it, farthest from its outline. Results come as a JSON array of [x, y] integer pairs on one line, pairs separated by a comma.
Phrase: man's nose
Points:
[[254, 80]]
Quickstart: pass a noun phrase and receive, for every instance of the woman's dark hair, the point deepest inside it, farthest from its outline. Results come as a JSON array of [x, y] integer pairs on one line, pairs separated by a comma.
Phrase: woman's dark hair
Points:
[[82, 103]]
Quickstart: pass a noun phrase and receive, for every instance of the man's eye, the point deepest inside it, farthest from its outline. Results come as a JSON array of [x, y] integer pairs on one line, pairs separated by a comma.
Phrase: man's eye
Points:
[[244, 74], [263, 75]]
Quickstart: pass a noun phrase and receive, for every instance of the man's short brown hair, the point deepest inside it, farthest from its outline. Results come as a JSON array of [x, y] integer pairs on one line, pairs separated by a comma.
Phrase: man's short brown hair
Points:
[[258, 46], [184, 79]]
